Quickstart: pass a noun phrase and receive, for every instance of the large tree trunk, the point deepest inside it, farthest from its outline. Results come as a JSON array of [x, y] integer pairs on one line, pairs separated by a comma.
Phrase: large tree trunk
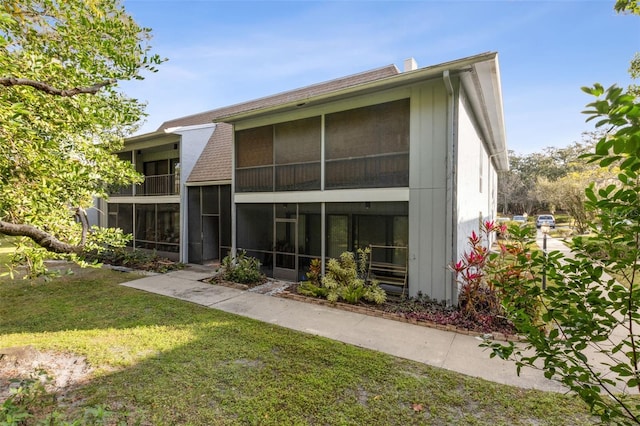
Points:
[[39, 236]]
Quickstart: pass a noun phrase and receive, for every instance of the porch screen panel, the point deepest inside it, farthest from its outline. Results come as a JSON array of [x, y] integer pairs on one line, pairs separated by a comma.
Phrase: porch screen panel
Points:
[[168, 227], [194, 224], [297, 154], [255, 226], [254, 159], [145, 234], [254, 233], [125, 219], [112, 215], [210, 200], [309, 236], [368, 147], [225, 219]]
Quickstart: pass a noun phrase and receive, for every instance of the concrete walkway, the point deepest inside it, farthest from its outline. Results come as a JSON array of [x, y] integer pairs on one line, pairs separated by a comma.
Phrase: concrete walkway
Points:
[[438, 348]]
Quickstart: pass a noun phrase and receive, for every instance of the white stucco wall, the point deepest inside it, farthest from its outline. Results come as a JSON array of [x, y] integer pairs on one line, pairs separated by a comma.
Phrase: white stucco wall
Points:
[[192, 142], [475, 179], [193, 139]]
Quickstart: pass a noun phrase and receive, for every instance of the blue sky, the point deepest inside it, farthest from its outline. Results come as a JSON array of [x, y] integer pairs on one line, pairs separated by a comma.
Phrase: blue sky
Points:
[[222, 53]]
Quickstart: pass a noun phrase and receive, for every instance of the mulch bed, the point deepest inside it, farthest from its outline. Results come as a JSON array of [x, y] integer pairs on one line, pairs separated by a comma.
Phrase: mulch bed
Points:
[[382, 311]]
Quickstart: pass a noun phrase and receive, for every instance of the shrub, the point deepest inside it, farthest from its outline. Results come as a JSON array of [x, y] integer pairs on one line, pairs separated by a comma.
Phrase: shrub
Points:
[[345, 279], [313, 287], [135, 259], [494, 283], [241, 269]]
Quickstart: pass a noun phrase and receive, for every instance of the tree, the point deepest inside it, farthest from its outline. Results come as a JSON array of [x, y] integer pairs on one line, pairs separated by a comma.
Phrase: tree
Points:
[[589, 337], [566, 191], [517, 186], [63, 115]]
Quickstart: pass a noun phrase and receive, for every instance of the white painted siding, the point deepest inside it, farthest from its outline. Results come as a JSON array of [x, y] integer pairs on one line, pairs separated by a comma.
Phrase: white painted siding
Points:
[[428, 191], [475, 201]]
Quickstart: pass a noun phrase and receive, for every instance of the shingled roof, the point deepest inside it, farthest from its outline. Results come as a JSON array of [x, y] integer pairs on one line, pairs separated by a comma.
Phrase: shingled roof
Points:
[[214, 163], [285, 97]]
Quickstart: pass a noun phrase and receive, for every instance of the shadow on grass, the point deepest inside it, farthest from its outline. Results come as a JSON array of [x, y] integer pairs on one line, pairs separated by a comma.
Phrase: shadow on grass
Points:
[[170, 362]]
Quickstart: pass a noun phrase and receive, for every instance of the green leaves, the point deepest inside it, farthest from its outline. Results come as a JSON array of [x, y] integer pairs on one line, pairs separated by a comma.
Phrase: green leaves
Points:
[[590, 336], [61, 113]]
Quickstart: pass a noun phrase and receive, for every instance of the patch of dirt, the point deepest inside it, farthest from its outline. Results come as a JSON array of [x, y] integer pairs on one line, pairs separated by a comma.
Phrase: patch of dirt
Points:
[[62, 371]]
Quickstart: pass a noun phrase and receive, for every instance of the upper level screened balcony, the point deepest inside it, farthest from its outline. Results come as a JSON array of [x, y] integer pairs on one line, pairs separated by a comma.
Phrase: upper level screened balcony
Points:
[[152, 185], [160, 167]]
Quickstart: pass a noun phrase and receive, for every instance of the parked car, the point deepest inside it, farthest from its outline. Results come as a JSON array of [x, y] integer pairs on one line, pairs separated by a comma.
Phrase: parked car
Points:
[[546, 219], [520, 218]]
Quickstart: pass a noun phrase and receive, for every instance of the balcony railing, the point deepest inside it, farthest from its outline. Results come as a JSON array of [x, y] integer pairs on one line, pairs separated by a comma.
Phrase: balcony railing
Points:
[[152, 185]]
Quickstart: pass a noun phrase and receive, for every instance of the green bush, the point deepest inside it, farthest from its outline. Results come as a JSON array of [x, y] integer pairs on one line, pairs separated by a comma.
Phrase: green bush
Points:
[[241, 269], [135, 259], [313, 287], [345, 279]]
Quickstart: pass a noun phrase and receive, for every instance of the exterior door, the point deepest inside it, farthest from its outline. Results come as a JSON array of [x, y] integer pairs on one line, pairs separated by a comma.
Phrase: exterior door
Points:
[[285, 249], [210, 245]]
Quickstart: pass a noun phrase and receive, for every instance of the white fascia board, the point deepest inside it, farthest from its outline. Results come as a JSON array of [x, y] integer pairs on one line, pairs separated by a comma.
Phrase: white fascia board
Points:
[[331, 196], [484, 92], [182, 129]]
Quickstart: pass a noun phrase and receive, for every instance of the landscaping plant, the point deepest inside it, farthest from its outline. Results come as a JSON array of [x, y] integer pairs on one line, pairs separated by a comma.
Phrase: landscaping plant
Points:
[[346, 279], [492, 281], [313, 285], [241, 269], [589, 337]]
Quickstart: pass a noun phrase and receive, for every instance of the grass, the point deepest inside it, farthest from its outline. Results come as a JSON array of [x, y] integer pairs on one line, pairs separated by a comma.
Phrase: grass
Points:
[[163, 361]]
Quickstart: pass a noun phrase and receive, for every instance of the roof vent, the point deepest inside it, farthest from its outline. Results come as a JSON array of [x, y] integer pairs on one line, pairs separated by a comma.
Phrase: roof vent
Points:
[[410, 65]]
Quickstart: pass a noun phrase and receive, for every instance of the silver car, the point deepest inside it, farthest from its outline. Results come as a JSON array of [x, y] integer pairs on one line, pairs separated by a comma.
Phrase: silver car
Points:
[[546, 219]]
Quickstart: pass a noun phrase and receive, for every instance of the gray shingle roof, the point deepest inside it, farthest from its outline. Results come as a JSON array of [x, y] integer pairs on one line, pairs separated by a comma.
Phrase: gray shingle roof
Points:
[[285, 97], [214, 163]]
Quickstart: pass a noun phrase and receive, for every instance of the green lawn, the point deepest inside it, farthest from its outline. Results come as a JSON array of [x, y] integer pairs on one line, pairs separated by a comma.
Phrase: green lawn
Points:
[[161, 361]]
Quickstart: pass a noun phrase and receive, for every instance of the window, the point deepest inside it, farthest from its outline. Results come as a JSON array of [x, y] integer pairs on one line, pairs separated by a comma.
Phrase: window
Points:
[[368, 147]]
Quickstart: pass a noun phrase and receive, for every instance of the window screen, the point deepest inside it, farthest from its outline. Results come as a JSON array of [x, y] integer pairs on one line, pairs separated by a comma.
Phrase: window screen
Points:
[[368, 147]]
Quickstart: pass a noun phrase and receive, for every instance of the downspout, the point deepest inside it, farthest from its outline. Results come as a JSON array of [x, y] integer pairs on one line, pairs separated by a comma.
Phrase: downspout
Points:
[[234, 218], [451, 207]]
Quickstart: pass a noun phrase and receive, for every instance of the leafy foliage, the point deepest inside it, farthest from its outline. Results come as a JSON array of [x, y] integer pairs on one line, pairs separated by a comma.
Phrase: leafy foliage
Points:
[[345, 279], [62, 114], [589, 338], [493, 283], [313, 287], [29, 394], [241, 269], [136, 259]]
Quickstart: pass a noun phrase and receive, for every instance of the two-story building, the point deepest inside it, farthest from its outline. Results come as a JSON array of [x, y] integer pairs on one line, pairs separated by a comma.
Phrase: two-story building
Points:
[[405, 161]]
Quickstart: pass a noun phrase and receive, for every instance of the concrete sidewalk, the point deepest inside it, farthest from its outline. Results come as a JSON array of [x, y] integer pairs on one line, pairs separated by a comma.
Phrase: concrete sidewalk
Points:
[[438, 348]]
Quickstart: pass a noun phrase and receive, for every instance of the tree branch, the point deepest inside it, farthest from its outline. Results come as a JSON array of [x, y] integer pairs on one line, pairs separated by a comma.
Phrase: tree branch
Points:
[[81, 214], [40, 237], [92, 90]]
